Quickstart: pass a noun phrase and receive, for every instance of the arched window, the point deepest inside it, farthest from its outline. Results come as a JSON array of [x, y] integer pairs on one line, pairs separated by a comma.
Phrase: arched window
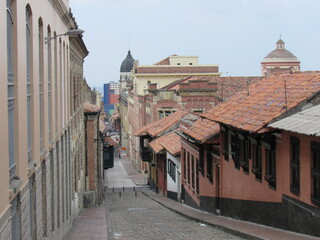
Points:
[[10, 82], [29, 92], [41, 102], [49, 85]]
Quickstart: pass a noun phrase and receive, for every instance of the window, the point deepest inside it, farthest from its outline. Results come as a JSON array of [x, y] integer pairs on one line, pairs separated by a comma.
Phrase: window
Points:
[[56, 82], [270, 159], [197, 176], [242, 151], [225, 143], [188, 158], [29, 64], [10, 90], [172, 170], [49, 86], [294, 165], [184, 164], [192, 171], [41, 102], [209, 167], [256, 158], [201, 161], [315, 173], [235, 150], [269, 143]]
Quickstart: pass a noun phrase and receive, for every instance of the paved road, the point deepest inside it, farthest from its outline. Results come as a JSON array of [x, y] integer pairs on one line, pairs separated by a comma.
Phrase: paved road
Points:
[[140, 218], [133, 216]]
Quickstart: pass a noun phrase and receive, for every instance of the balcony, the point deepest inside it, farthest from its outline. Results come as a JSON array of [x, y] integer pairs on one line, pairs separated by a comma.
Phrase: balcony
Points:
[[146, 154]]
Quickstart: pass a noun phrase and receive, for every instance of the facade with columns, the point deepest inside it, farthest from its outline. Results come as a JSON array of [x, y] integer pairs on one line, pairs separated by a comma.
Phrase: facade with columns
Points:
[[41, 101]]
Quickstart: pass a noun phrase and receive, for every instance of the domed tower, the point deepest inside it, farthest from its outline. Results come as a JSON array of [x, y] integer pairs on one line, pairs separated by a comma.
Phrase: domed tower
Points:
[[279, 60], [125, 70]]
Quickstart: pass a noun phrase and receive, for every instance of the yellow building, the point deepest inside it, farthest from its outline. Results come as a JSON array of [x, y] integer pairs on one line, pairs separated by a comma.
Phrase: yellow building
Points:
[[161, 73]]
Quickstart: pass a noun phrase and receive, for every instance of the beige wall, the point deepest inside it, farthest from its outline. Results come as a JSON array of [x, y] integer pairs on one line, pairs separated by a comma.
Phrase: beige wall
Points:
[[4, 164], [65, 120], [184, 60]]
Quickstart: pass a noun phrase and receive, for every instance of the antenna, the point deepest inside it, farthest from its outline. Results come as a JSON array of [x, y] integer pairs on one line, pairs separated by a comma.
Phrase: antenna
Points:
[[129, 41]]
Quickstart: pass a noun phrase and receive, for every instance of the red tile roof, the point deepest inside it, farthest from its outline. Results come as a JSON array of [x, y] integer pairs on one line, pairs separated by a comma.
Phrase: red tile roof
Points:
[[170, 142], [88, 107], [187, 70], [267, 99], [202, 130], [110, 141], [157, 127]]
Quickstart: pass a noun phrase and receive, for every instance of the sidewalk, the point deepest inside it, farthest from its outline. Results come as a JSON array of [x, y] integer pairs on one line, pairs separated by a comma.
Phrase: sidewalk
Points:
[[239, 228], [135, 176], [89, 225]]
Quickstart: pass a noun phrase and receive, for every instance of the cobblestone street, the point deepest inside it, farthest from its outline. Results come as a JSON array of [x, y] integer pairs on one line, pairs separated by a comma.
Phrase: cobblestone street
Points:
[[139, 217]]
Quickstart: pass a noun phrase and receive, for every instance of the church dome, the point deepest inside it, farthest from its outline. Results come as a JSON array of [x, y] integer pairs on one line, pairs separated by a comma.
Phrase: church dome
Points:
[[127, 63], [280, 53]]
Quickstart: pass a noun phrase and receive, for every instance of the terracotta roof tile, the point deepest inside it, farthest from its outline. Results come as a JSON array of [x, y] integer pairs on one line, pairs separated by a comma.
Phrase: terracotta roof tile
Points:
[[170, 142], [157, 127], [267, 99], [110, 141], [165, 61], [202, 130], [88, 107]]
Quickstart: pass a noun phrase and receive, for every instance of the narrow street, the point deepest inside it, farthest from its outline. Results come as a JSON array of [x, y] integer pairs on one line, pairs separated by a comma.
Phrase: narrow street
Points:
[[131, 211], [132, 215]]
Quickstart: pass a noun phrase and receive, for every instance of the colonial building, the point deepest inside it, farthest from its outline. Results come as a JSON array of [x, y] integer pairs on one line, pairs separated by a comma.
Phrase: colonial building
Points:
[[279, 60], [169, 145], [42, 150], [268, 166], [157, 76]]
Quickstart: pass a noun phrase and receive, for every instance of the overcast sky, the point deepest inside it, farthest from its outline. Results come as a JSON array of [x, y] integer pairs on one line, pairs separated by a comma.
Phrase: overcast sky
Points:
[[236, 34]]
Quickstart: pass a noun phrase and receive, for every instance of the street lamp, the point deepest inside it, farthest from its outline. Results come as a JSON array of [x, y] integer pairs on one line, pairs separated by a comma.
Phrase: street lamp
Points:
[[71, 33]]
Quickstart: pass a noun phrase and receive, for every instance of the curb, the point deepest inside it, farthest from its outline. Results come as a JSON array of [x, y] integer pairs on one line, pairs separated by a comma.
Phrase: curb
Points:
[[224, 228]]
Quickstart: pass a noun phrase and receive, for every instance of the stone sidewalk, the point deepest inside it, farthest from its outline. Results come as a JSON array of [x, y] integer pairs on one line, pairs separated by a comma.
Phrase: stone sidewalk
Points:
[[89, 225]]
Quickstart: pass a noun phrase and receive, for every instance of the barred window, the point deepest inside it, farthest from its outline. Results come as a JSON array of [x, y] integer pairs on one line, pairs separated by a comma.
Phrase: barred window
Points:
[[256, 158], [192, 171], [197, 176], [41, 102], [184, 164], [29, 92], [172, 169], [209, 167], [49, 85], [294, 165], [10, 90], [188, 158], [315, 173], [225, 143]]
